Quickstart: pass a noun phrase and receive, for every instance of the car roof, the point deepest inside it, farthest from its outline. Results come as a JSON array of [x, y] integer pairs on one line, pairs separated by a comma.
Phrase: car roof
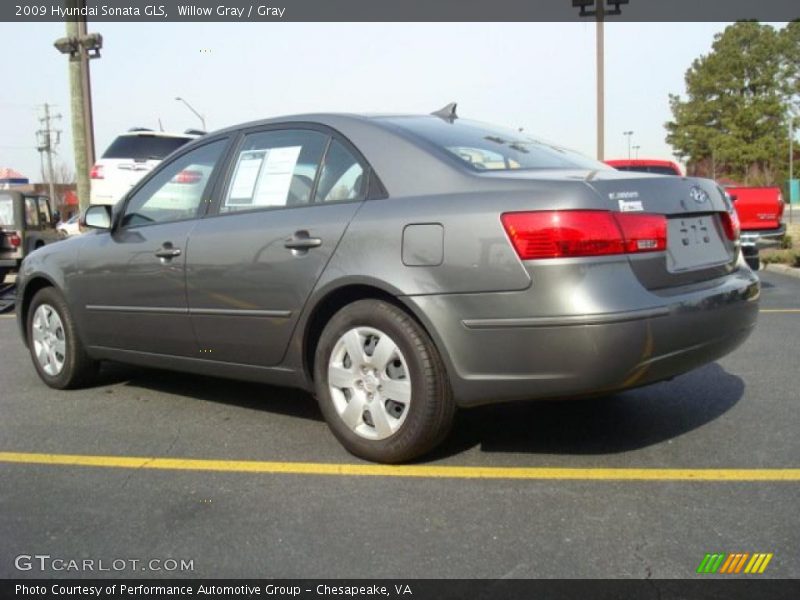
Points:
[[151, 133]]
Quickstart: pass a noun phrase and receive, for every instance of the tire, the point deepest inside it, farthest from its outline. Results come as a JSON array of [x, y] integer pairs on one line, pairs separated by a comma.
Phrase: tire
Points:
[[395, 420], [753, 262], [49, 314]]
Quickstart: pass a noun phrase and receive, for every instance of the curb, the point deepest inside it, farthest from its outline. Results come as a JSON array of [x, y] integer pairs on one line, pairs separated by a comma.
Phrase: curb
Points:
[[783, 270]]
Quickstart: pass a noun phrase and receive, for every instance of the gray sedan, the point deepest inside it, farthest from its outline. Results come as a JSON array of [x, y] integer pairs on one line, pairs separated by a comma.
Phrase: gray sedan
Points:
[[398, 267]]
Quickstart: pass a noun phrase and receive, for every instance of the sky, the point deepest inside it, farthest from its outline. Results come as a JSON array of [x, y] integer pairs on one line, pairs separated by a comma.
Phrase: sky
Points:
[[539, 76]]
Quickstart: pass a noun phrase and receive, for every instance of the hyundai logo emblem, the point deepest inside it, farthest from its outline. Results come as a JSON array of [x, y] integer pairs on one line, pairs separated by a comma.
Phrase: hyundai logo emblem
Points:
[[698, 195]]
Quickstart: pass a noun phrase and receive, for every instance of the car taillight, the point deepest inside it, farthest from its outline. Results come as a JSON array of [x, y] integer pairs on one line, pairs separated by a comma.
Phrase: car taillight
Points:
[[96, 172], [730, 224], [14, 239], [568, 233], [187, 176]]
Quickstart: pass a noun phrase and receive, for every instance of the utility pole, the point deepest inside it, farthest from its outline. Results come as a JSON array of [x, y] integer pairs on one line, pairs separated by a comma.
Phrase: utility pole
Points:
[[46, 144], [81, 47], [600, 12]]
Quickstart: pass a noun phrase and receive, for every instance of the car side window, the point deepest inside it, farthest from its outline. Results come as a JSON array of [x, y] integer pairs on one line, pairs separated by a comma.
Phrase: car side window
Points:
[[45, 217], [274, 169], [175, 192], [342, 178], [31, 212]]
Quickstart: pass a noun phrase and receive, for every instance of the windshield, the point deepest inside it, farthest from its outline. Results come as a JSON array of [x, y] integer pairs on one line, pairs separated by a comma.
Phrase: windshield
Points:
[[489, 148], [144, 147], [6, 210]]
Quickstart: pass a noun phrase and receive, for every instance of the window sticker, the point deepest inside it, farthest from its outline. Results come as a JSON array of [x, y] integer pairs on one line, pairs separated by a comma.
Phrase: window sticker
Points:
[[275, 179], [245, 178], [263, 177]]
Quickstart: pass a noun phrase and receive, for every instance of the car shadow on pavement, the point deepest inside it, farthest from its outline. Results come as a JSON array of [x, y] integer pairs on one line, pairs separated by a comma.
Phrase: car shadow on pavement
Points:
[[603, 425], [255, 396]]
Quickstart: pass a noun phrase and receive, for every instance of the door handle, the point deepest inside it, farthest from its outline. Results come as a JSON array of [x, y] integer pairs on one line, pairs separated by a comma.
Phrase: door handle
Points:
[[167, 252], [301, 240]]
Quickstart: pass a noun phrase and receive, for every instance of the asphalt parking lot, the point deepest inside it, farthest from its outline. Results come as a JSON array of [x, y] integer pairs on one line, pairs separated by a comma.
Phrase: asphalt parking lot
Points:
[[737, 420]]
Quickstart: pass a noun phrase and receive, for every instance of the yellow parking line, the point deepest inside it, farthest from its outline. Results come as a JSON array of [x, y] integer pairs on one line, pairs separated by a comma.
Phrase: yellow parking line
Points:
[[780, 310], [428, 471], [7, 316]]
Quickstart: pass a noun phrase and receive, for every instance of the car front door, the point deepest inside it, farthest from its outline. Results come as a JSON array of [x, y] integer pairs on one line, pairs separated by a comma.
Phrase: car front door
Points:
[[131, 281], [252, 265]]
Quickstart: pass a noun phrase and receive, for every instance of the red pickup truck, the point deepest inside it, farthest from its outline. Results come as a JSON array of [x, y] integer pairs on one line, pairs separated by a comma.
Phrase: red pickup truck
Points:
[[760, 212]]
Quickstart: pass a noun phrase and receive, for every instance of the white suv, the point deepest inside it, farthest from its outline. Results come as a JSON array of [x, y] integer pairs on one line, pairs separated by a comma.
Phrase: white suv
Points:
[[129, 158]]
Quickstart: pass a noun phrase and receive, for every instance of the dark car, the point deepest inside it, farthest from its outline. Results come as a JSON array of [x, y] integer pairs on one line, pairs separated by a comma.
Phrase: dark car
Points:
[[397, 266], [26, 223]]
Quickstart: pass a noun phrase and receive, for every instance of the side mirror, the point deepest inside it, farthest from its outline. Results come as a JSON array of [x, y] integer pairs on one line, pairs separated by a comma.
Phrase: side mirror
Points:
[[733, 197], [97, 217]]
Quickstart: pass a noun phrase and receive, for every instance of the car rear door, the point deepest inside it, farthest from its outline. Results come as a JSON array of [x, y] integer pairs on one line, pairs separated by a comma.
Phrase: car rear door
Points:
[[131, 283], [287, 201]]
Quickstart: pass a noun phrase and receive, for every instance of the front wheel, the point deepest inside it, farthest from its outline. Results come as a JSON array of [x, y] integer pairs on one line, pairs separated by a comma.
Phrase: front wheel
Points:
[[57, 352], [381, 384]]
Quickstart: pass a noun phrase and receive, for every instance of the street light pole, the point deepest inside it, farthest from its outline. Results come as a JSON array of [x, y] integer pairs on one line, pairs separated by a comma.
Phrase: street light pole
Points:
[[628, 134], [636, 150], [601, 91], [600, 12], [191, 108]]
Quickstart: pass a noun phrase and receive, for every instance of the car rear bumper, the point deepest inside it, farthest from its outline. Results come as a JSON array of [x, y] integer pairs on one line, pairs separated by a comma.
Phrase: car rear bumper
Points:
[[574, 354], [751, 237]]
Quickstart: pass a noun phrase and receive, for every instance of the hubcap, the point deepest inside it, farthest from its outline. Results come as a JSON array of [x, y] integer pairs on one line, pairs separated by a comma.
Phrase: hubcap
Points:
[[370, 383], [49, 340]]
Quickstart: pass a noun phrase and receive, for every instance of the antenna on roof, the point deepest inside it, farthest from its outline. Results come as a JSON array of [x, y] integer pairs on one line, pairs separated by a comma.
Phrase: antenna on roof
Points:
[[448, 113]]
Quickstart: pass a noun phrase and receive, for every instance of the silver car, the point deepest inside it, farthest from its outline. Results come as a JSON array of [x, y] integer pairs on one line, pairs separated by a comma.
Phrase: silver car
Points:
[[398, 267]]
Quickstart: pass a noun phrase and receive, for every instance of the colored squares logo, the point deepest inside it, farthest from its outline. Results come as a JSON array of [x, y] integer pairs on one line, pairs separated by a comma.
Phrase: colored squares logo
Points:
[[734, 563]]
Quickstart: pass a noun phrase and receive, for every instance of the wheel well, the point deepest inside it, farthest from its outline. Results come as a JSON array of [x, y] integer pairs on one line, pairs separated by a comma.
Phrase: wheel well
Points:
[[34, 285], [330, 305]]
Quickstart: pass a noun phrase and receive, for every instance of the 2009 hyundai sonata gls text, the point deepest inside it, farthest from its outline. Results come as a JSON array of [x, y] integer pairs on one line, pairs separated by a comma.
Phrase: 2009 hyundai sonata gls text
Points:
[[397, 266]]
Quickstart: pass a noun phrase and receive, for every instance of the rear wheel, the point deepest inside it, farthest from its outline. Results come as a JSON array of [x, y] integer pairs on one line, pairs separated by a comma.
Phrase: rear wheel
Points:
[[381, 384], [57, 352]]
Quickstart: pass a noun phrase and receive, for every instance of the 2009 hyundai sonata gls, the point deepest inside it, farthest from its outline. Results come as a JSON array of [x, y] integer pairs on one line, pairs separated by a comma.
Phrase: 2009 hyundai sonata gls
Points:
[[399, 267]]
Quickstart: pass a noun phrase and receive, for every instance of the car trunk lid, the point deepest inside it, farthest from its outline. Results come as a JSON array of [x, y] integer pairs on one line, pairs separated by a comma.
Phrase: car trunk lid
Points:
[[698, 246]]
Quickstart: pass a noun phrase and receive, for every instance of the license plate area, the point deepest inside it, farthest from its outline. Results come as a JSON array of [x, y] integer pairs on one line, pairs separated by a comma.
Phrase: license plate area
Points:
[[694, 242]]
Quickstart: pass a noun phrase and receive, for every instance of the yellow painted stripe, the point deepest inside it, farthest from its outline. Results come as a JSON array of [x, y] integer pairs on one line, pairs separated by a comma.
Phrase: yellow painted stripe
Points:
[[765, 563], [431, 471], [757, 564], [752, 562]]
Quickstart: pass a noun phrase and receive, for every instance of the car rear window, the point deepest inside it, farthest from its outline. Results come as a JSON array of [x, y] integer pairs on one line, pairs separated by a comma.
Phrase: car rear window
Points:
[[489, 148], [6, 210], [657, 170], [144, 147]]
